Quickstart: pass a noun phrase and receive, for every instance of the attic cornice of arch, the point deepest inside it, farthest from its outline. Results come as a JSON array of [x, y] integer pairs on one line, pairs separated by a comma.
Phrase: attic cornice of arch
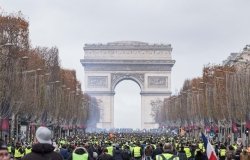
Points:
[[125, 45], [130, 61]]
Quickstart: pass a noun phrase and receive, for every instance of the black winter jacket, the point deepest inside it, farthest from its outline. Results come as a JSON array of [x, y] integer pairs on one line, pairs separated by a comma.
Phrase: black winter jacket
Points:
[[42, 152]]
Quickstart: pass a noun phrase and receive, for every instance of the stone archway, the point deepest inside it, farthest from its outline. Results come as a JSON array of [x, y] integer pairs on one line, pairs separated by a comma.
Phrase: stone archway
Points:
[[136, 77], [105, 65], [127, 104]]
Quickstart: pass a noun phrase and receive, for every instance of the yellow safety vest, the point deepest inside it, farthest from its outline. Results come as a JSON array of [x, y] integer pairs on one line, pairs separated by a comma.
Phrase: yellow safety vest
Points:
[[166, 155], [154, 146], [18, 154], [110, 150], [137, 152], [9, 149], [27, 151], [201, 146], [80, 157], [176, 145], [196, 150], [223, 152], [234, 146], [62, 142], [188, 152]]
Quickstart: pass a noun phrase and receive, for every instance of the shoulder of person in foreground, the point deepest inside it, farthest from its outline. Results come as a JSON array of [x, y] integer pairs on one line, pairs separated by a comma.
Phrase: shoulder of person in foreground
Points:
[[35, 156]]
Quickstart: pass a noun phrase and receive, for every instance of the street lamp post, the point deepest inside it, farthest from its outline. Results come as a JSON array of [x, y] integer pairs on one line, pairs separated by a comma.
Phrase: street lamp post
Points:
[[55, 101]]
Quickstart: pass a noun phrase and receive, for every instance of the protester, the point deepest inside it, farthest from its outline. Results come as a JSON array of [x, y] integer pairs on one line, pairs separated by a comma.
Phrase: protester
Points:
[[200, 156], [28, 149], [222, 152], [237, 153], [182, 154], [230, 153], [117, 153], [43, 148], [104, 155], [18, 151], [126, 154], [167, 153], [79, 153], [64, 152], [137, 151], [245, 155], [4, 154], [148, 152]]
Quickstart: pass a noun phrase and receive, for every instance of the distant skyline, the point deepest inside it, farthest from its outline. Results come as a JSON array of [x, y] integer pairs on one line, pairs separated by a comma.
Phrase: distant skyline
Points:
[[200, 32]]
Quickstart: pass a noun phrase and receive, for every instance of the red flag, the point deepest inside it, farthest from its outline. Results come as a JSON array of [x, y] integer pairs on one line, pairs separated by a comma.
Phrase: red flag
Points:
[[234, 127]]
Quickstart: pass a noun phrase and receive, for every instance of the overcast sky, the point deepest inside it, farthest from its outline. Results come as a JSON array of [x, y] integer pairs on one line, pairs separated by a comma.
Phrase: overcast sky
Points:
[[200, 31]]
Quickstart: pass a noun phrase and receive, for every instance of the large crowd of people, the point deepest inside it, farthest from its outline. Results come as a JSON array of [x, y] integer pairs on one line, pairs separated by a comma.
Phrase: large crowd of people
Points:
[[118, 146]]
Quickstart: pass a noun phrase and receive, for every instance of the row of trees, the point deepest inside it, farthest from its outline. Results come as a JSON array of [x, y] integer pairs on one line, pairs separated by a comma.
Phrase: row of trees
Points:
[[220, 96], [33, 86]]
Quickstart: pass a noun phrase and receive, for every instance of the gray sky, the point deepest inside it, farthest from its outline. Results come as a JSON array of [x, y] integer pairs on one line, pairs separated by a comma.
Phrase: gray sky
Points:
[[200, 31]]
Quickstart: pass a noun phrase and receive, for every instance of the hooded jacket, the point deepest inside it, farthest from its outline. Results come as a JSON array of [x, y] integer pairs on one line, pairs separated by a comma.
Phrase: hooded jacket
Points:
[[41, 152], [79, 151]]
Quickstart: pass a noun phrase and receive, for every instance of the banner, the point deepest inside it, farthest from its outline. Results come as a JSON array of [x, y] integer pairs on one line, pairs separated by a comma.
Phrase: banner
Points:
[[4, 124]]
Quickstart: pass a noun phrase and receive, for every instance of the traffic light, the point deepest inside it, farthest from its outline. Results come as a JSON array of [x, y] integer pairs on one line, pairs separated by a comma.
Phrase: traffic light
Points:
[[246, 132]]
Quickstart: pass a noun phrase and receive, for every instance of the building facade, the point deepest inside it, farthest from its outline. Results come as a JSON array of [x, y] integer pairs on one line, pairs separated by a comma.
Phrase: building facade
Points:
[[240, 60]]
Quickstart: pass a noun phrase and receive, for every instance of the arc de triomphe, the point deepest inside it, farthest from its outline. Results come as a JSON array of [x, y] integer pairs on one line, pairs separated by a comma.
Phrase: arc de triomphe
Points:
[[149, 65]]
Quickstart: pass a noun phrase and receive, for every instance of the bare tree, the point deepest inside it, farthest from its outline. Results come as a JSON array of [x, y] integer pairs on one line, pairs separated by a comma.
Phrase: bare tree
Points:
[[33, 86], [157, 111]]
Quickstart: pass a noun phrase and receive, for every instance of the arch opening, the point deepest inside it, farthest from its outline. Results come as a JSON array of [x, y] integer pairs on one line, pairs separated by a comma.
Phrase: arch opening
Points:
[[127, 105]]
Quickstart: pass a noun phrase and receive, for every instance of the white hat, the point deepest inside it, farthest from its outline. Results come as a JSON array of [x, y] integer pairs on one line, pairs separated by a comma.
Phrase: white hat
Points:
[[43, 135]]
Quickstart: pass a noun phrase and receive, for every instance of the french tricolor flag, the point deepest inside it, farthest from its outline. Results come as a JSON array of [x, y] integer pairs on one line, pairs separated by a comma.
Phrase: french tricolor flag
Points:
[[209, 148]]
